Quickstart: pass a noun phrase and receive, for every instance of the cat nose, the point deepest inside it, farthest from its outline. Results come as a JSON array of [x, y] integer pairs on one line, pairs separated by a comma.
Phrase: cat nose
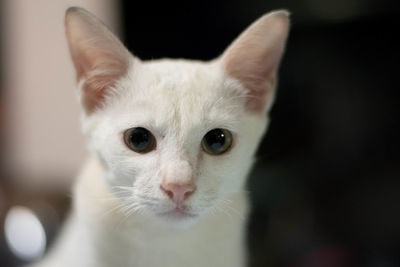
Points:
[[178, 192]]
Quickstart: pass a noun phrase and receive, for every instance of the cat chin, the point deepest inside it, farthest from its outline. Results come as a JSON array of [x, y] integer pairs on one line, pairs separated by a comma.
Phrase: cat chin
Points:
[[176, 222], [176, 219]]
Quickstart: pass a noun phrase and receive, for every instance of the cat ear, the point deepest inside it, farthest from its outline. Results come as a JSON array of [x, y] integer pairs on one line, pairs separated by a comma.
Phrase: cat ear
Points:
[[253, 58], [100, 59]]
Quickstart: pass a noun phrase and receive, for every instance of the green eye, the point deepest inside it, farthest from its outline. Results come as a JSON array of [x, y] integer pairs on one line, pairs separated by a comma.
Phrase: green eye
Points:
[[217, 141], [139, 140]]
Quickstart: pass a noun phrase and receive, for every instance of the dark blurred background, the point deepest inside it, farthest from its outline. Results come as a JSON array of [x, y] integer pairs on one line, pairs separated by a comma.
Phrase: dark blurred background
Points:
[[326, 187]]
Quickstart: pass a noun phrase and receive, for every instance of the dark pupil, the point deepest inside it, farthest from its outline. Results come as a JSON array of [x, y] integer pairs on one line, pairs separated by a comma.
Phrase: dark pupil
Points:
[[215, 140], [140, 138]]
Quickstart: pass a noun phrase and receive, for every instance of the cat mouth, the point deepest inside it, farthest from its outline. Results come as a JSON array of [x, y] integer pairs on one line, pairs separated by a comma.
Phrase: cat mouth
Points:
[[177, 213]]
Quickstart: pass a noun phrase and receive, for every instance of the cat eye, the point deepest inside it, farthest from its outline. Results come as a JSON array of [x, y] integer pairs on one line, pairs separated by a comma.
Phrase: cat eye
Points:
[[217, 141], [139, 140]]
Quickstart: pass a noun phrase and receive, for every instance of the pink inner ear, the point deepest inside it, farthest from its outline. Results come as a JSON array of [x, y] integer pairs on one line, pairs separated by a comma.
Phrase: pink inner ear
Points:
[[93, 96], [99, 57], [259, 83], [100, 72], [253, 59]]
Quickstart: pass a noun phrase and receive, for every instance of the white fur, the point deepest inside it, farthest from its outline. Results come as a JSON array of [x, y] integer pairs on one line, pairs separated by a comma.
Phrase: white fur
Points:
[[116, 217]]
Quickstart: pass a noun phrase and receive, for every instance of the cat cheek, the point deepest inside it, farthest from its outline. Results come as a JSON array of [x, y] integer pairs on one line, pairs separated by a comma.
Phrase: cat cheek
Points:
[[102, 161]]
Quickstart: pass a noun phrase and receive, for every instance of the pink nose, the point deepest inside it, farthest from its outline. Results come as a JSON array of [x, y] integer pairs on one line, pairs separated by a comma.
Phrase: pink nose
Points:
[[178, 192]]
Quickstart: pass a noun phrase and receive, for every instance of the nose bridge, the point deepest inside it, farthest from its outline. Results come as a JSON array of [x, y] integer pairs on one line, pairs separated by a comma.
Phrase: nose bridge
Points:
[[178, 171], [176, 159]]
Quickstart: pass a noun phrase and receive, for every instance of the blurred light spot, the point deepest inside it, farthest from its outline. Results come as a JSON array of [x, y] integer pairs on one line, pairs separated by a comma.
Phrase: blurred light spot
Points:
[[336, 10], [24, 233]]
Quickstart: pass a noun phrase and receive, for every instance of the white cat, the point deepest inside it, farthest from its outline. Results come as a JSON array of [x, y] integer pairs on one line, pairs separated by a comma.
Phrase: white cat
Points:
[[172, 144]]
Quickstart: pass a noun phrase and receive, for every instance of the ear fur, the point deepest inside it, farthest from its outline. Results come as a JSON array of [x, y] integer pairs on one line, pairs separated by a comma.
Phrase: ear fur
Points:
[[100, 59], [253, 58]]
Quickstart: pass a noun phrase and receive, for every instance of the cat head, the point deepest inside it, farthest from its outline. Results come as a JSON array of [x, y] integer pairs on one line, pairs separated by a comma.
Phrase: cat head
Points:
[[175, 137]]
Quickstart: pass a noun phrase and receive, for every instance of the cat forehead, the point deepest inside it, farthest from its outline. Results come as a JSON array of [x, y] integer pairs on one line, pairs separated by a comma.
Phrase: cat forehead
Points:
[[188, 78], [180, 88], [182, 95]]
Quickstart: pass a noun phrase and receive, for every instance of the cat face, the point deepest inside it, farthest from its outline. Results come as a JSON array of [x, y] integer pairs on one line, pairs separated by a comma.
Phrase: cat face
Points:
[[178, 103], [175, 137]]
